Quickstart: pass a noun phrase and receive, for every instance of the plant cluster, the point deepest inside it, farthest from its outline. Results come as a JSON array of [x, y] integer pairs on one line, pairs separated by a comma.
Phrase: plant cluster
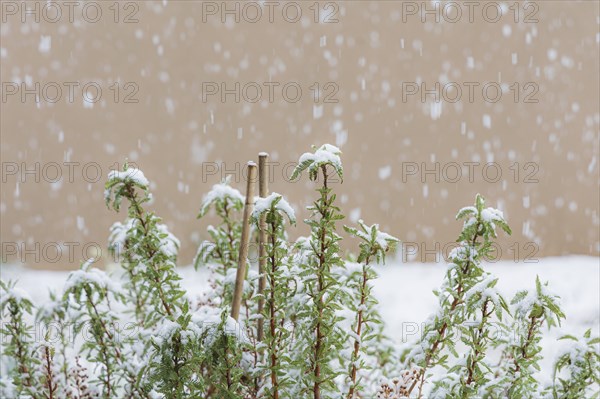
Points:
[[317, 333]]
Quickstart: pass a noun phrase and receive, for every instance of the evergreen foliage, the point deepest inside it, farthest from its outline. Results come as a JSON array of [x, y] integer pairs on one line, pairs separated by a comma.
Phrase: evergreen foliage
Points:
[[138, 334]]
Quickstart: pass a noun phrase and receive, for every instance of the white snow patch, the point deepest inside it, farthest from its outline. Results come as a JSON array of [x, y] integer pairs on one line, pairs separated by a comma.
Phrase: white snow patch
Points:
[[264, 204], [385, 172], [487, 121], [131, 174], [45, 44]]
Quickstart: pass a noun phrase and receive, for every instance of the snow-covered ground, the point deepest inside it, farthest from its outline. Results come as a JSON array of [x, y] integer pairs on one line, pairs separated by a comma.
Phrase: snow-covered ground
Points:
[[406, 299]]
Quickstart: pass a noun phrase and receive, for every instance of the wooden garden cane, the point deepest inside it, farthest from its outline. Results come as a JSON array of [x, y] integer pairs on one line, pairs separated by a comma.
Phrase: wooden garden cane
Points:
[[263, 191], [243, 253]]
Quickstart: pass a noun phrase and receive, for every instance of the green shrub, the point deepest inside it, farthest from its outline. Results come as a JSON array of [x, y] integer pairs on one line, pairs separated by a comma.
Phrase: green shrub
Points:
[[323, 337]]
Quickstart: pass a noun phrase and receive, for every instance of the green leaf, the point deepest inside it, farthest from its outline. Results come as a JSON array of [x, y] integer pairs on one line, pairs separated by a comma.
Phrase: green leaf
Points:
[[568, 336]]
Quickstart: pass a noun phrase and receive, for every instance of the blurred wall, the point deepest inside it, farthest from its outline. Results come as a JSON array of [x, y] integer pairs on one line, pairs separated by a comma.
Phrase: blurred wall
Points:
[[87, 85]]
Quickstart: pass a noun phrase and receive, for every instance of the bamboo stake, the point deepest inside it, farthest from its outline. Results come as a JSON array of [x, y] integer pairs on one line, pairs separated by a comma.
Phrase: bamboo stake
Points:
[[243, 253], [263, 191]]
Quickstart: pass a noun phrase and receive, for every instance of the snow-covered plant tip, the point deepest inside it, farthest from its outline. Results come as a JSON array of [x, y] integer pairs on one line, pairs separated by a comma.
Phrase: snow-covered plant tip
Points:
[[139, 334]]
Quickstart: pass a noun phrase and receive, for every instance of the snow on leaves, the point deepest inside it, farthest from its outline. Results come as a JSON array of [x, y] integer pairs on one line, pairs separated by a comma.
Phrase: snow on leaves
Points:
[[325, 155]]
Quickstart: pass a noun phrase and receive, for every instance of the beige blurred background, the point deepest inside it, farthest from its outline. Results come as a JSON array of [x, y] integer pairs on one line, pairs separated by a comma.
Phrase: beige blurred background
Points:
[[363, 56]]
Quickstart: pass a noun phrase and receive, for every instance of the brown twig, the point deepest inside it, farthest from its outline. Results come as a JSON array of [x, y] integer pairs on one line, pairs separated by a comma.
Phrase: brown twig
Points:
[[273, 321], [319, 299], [442, 331], [359, 325], [243, 253], [49, 382], [263, 191]]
